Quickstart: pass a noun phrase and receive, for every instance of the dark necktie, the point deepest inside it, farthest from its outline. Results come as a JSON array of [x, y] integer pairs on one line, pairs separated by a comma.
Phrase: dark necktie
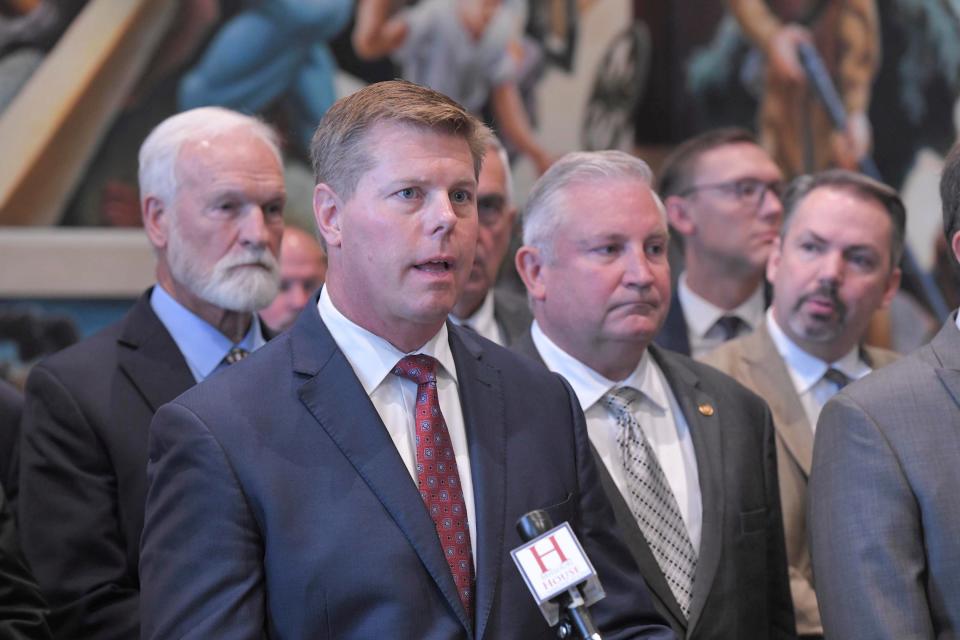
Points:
[[837, 377], [235, 355], [437, 475], [652, 501], [730, 326]]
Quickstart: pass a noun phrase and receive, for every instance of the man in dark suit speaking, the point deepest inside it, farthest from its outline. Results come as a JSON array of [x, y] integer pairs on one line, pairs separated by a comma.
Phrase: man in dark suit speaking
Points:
[[298, 496], [685, 454]]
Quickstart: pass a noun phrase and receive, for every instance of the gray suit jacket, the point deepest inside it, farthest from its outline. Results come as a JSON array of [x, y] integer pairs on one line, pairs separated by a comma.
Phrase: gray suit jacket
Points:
[[884, 505], [754, 361], [741, 589]]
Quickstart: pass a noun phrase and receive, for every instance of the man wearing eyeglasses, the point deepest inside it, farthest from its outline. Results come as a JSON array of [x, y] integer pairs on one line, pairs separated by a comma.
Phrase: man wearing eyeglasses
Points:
[[721, 190], [834, 265], [497, 314]]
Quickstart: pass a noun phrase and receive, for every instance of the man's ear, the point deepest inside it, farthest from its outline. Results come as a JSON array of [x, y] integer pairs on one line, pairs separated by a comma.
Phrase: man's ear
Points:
[[678, 215], [773, 262], [955, 245], [893, 285], [328, 212], [156, 221], [529, 262]]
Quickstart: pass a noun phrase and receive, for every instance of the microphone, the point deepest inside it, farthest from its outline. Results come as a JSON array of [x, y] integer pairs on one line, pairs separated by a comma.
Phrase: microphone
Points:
[[559, 575]]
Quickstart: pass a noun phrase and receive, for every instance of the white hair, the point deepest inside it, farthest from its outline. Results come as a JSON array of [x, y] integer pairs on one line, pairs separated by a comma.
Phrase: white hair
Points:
[[159, 152], [543, 213]]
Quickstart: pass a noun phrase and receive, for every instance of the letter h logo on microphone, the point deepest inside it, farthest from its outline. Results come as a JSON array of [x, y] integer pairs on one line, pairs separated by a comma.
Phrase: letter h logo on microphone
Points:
[[554, 547], [553, 562]]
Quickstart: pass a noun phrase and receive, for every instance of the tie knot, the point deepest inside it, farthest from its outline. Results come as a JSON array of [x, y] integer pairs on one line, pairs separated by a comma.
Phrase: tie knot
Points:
[[618, 400], [729, 326], [837, 377], [419, 368], [236, 354]]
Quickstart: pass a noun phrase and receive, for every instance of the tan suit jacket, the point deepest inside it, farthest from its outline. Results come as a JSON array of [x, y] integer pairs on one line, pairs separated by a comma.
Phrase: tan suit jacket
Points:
[[754, 361]]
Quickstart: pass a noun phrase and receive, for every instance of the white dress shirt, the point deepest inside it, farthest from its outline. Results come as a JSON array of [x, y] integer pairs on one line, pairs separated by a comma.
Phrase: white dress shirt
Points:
[[483, 321], [701, 317], [657, 412], [806, 371], [372, 359]]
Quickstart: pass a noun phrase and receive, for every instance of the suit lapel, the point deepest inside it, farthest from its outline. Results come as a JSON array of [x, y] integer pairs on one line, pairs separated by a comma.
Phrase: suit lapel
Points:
[[336, 399], [702, 416], [149, 357], [769, 376], [946, 347], [481, 400]]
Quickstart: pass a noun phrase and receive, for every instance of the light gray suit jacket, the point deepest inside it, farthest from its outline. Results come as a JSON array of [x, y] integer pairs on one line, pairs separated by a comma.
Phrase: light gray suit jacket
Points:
[[885, 500], [754, 361]]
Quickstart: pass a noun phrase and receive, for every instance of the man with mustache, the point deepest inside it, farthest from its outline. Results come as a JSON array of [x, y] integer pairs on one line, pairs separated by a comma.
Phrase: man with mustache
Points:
[[884, 511], [212, 196], [686, 455], [722, 193], [497, 314], [834, 265]]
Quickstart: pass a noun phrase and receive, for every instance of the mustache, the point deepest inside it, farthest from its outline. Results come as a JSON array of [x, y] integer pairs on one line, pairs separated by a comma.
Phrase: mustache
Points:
[[828, 291], [259, 256]]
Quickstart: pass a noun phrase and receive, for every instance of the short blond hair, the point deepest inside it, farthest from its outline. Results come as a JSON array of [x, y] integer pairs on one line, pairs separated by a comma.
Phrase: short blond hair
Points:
[[339, 152]]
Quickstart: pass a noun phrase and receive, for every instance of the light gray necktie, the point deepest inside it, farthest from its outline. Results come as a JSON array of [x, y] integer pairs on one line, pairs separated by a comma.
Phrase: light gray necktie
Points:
[[651, 500]]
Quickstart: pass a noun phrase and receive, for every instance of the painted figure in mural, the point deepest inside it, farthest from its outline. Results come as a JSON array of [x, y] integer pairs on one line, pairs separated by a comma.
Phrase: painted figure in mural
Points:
[[793, 125], [273, 48], [466, 49]]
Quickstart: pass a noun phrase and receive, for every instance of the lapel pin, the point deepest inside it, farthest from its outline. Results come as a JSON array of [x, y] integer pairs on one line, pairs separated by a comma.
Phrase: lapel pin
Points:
[[706, 409]]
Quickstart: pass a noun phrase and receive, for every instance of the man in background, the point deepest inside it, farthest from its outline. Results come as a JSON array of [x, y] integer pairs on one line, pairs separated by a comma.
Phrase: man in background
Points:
[[212, 197], [722, 194], [497, 314], [883, 487], [834, 265], [303, 266], [686, 455]]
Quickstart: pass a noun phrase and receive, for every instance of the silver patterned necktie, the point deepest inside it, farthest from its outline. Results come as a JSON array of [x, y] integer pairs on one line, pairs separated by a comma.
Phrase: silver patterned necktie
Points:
[[651, 500]]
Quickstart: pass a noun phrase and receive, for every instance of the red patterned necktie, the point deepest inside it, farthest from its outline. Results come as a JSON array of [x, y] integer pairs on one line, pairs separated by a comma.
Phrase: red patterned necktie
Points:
[[437, 475]]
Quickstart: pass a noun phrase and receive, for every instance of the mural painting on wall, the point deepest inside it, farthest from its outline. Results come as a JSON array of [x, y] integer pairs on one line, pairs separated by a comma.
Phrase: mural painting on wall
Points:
[[893, 65], [280, 59], [677, 68]]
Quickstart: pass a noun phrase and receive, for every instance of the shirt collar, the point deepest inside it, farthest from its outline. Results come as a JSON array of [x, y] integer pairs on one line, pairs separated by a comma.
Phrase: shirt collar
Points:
[[590, 386], [807, 370], [371, 357], [701, 315], [202, 344]]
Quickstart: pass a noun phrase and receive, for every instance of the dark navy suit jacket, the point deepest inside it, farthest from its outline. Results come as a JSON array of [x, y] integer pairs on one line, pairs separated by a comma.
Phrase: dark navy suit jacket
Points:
[[278, 506]]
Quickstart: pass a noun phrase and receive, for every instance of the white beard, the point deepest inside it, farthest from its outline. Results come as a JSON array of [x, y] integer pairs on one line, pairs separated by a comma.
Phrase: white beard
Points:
[[228, 285]]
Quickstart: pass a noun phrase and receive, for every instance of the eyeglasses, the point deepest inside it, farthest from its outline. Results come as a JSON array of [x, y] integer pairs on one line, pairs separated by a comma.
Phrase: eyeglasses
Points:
[[749, 191]]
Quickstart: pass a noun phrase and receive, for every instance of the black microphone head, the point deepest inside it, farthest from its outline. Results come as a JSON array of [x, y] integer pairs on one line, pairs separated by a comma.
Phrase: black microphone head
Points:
[[532, 524]]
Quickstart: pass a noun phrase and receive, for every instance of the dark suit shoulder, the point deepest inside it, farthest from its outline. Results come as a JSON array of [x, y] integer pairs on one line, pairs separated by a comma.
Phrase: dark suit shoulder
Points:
[[87, 354], [710, 378]]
